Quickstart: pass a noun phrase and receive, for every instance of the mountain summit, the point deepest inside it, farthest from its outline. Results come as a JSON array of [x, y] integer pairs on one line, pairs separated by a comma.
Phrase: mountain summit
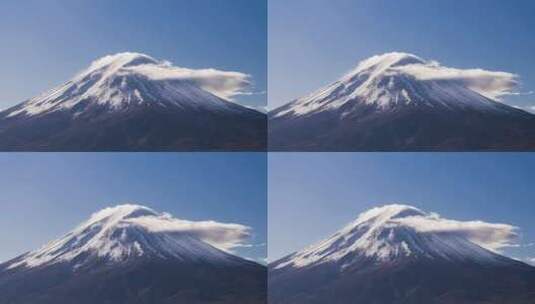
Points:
[[399, 101], [383, 235], [119, 81], [131, 101], [119, 235], [131, 254], [401, 254]]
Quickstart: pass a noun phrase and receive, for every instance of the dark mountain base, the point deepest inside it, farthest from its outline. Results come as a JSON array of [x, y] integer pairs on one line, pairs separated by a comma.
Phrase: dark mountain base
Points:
[[139, 129], [146, 282], [408, 283], [403, 131]]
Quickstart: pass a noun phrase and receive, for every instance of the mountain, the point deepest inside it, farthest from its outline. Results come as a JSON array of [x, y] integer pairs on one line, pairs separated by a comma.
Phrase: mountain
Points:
[[382, 258], [384, 105], [124, 102], [121, 256]]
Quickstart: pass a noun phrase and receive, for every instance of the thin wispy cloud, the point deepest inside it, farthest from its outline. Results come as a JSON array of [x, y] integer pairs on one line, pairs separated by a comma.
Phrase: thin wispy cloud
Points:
[[528, 108], [522, 93], [252, 93]]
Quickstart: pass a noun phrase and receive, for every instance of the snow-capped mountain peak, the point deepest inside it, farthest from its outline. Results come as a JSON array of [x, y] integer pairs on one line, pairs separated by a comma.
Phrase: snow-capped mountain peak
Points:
[[381, 63], [116, 82], [388, 234], [120, 234], [399, 80], [113, 63]]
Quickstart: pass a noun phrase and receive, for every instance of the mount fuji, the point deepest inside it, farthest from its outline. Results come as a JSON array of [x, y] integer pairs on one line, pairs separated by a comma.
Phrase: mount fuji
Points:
[[401, 102], [133, 102], [400, 254], [131, 254]]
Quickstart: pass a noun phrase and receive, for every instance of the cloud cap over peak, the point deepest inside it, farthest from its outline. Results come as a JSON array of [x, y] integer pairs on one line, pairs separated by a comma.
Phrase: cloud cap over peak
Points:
[[492, 84], [225, 236], [492, 236], [224, 84]]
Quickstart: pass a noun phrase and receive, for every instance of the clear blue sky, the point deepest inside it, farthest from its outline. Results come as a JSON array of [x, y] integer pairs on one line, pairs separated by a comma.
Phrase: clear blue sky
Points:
[[312, 195], [313, 42], [44, 43], [44, 195]]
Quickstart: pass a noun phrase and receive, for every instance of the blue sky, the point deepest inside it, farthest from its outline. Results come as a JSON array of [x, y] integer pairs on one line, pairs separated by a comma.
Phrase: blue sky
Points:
[[312, 195], [314, 42], [44, 43], [44, 195]]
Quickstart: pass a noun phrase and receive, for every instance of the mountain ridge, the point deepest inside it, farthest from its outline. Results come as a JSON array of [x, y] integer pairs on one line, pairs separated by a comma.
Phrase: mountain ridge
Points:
[[128, 254], [386, 256], [117, 234], [132, 102], [117, 81], [397, 102], [381, 234]]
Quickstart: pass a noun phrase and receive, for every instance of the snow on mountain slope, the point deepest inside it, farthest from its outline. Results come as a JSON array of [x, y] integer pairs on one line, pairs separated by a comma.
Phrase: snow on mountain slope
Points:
[[126, 232], [396, 232], [393, 80], [118, 81]]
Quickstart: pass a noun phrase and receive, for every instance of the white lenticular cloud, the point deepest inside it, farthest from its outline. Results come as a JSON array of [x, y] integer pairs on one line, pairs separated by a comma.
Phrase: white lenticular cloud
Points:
[[225, 236], [225, 84], [492, 84], [493, 236]]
